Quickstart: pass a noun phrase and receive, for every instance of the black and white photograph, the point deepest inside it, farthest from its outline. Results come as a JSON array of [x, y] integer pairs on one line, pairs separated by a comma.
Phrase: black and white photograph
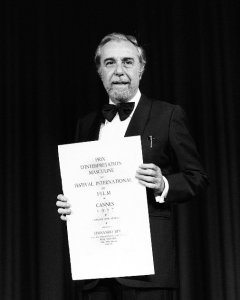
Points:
[[119, 154]]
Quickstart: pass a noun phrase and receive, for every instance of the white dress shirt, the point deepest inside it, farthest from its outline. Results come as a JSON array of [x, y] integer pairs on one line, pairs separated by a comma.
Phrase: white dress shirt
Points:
[[116, 129]]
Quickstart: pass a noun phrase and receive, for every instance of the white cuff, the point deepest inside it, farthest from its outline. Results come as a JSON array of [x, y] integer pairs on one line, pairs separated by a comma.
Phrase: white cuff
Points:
[[161, 198]]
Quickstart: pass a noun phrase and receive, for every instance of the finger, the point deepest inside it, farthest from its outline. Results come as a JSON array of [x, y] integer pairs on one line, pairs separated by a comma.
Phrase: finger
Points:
[[148, 172], [65, 211], [146, 178], [147, 184], [62, 198], [63, 204], [64, 218], [149, 166]]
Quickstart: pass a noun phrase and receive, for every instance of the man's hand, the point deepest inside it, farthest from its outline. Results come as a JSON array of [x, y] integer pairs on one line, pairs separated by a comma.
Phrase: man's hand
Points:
[[151, 177], [64, 207]]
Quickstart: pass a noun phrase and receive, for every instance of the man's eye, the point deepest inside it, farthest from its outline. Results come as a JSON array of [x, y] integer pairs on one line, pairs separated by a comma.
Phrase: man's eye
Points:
[[128, 63], [109, 63]]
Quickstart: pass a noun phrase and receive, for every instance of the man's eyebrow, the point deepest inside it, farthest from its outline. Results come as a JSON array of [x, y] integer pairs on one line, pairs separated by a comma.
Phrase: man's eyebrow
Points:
[[109, 58], [127, 58], [124, 58]]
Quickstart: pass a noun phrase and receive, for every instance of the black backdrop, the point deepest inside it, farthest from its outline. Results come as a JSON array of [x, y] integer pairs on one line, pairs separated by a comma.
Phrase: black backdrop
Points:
[[48, 79]]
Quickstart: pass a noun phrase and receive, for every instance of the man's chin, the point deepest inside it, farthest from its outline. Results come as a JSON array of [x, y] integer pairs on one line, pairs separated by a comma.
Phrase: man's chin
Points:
[[120, 95]]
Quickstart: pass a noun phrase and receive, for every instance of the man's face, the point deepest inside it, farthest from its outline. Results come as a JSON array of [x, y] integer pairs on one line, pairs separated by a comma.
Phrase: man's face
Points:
[[120, 70]]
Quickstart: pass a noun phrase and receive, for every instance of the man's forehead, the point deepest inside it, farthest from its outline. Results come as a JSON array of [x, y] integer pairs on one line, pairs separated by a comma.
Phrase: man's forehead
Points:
[[119, 49]]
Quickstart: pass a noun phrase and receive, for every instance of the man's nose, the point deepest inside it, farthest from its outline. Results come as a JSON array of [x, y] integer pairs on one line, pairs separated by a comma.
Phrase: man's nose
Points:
[[119, 69]]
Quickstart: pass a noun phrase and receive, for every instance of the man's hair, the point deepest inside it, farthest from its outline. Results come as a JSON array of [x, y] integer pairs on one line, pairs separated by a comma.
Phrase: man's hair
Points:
[[120, 37]]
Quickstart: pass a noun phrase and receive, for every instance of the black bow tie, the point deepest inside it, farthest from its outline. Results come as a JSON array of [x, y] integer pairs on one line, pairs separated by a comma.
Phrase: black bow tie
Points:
[[109, 111]]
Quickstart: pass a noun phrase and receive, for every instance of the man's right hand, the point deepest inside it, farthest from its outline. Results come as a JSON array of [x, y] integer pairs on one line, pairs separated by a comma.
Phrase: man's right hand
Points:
[[63, 207]]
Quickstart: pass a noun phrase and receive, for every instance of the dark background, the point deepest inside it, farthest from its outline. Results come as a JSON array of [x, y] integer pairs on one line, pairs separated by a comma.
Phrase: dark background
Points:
[[48, 79]]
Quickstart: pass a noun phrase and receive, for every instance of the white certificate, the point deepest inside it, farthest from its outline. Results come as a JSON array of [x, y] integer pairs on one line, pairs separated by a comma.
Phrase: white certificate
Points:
[[108, 230]]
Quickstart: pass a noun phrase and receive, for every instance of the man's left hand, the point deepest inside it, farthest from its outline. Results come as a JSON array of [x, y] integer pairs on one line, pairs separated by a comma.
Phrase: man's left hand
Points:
[[151, 177]]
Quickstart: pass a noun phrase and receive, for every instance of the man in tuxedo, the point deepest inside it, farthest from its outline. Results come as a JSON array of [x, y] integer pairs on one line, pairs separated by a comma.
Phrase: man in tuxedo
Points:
[[171, 169]]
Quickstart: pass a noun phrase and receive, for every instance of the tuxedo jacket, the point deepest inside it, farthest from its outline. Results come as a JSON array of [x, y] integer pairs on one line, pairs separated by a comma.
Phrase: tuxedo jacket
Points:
[[174, 151]]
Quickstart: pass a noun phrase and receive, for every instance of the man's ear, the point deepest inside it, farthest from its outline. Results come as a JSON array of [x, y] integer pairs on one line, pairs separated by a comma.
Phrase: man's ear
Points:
[[99, 72], [141, 73]]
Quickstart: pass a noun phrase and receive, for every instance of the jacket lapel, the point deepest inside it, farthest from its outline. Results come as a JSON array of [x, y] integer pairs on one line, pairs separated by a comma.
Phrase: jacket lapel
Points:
[[93, 133], [140, 117]]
